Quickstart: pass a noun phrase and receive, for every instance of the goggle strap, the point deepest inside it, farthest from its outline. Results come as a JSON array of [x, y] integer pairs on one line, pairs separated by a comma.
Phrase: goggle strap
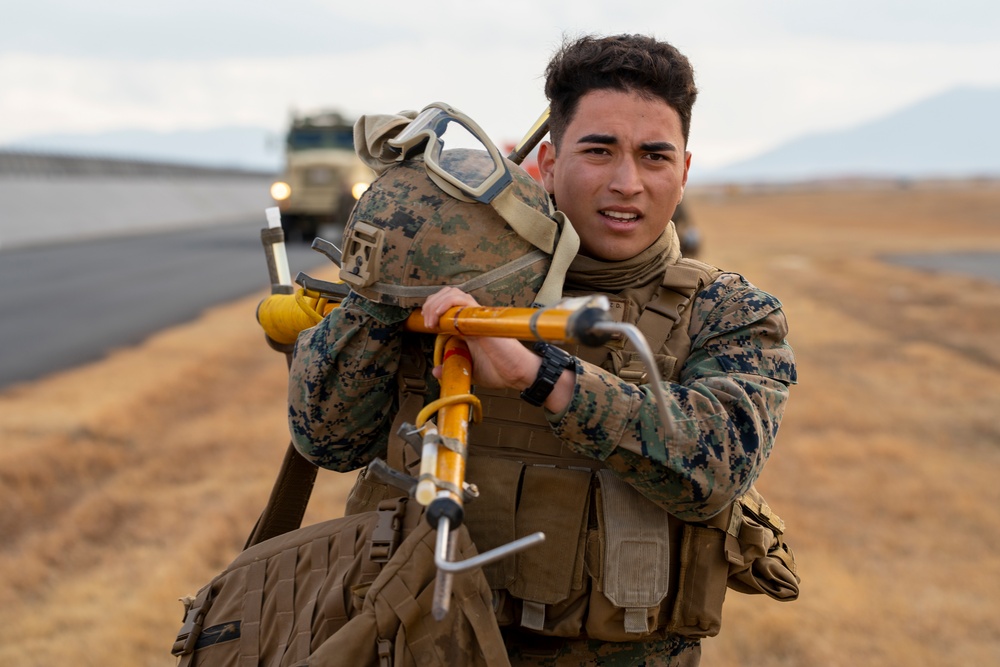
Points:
[[447, 187], [567, 247], [372, 131], [530, 224]]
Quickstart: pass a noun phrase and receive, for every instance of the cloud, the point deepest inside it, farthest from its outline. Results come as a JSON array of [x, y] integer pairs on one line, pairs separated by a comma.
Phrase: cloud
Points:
[[767, 71]]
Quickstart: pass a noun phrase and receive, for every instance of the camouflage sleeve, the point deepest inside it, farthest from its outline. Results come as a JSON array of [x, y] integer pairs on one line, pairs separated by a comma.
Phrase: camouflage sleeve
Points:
[[342, 390], [726, 407]]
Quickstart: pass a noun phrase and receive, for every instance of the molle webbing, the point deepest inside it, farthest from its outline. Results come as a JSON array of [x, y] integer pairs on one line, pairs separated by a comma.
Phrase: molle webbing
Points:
[[511, 428], [278, 598]]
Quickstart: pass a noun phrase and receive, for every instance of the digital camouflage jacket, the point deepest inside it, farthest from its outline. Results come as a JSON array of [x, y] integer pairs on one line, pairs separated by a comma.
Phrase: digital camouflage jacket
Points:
[[726, 404]]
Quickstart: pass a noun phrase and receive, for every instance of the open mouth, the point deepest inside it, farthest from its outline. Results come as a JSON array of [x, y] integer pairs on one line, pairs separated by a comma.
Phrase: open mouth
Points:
[[621, 222], [620, 215]]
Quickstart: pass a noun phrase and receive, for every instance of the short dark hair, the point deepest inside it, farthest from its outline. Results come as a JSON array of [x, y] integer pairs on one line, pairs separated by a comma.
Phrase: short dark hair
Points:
[[628, 63]]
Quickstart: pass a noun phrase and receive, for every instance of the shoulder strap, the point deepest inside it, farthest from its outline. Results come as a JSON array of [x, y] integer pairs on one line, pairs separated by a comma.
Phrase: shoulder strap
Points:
[[664, 320], [294, 484], [289, 498], [291, 489]]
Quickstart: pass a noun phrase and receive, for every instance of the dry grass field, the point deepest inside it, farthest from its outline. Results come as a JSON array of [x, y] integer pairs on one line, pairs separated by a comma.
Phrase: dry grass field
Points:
[[130, 482]]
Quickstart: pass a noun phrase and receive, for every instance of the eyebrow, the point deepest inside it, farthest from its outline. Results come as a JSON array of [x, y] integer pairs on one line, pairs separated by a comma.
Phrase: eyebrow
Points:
[[611, 140], [605, 139], [658, 147]]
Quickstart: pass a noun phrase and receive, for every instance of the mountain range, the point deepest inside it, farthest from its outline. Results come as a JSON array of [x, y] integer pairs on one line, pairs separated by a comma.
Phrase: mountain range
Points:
[[950, 135]]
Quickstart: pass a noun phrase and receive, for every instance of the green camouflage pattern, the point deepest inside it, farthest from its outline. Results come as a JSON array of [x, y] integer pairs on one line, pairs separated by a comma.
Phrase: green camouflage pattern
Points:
[[342, 385], [726, 409], [432, 239], [727, 406], [675, 651]]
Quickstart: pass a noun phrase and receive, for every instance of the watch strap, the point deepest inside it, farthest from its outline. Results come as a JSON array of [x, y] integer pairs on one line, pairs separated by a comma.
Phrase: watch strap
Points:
[[554, 362]]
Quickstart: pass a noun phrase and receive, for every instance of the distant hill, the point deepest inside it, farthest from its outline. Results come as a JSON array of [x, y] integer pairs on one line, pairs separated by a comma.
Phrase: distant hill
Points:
[[951, 135], [240, 147]]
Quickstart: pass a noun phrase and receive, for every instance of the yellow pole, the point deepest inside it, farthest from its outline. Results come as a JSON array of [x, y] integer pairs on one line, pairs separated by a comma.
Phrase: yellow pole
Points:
[[453, 419], [524, 323]]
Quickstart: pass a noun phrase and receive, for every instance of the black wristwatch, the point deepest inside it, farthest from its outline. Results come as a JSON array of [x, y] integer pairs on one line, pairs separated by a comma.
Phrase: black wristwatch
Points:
[[554, 362]]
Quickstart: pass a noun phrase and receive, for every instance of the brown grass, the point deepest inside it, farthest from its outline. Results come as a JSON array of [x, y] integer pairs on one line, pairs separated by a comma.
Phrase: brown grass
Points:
[[130, 482]]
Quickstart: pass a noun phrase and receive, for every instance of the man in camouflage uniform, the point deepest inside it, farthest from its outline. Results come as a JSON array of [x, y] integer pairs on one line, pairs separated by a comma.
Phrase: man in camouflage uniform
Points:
[[617, 166]]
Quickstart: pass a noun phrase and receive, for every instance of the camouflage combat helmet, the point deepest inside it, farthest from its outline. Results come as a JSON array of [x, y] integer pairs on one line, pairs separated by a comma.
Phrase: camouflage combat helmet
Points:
[[412, 233]]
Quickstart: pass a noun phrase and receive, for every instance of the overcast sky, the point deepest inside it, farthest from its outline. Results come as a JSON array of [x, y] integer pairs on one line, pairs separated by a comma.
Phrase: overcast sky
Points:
[[767, 70]]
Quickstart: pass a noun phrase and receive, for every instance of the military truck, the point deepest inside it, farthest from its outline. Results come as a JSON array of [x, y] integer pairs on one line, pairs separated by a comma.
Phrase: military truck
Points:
[[323, 176]]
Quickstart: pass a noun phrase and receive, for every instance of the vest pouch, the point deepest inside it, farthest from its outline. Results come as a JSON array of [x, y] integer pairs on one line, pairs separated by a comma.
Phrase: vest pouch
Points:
[[631, 578], [550, 576], [367, 493], [701, 586], [490, 517], [542, 588], [760, 561]]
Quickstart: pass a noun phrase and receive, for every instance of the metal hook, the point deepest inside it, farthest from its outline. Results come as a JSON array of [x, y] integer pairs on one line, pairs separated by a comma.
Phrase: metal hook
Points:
[[444, 552]]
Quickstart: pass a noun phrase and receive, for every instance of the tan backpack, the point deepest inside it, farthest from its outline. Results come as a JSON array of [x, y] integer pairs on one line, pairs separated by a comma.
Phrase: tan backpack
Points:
[[351, 591]]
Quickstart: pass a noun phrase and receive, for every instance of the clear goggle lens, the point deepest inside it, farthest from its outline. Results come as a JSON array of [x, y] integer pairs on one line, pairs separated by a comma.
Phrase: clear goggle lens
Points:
[[444, 133]]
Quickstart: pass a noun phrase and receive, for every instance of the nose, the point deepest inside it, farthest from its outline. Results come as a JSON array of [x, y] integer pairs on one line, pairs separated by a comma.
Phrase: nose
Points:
[[625, 178]]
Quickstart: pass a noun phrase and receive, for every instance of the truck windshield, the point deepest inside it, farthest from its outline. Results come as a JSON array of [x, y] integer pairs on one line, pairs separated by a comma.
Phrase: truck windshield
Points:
[[301, 139]]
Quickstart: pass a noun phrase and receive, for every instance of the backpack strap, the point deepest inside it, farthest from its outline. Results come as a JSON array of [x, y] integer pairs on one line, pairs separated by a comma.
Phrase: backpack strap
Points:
[[289, 498]]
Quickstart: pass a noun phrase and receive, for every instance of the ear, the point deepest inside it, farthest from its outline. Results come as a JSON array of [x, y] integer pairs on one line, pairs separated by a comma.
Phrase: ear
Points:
[[687, 168], [546, 165]]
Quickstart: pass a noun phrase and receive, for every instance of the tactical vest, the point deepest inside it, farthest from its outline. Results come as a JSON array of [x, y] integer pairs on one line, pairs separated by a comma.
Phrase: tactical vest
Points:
[[609, 567], [614, 565]]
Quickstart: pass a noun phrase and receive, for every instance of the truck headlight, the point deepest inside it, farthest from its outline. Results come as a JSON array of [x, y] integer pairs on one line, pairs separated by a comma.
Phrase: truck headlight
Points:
[[281, 191], [359, 188]]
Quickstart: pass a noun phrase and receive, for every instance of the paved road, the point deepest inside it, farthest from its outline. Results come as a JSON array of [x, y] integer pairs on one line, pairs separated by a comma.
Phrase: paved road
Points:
[[977, 264], [64, 305]]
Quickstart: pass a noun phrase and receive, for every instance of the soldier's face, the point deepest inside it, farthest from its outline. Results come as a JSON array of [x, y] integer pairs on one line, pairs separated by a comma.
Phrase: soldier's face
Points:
[[619, 173]]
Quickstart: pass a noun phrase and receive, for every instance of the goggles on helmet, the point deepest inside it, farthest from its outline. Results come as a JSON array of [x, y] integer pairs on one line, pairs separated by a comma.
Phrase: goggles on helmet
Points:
[[440, 127], [443, 139]]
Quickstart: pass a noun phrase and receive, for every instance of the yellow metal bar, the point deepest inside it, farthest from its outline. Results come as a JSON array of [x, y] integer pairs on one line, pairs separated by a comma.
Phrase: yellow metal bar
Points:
[[453, 419], [283, 316], [523, 323]]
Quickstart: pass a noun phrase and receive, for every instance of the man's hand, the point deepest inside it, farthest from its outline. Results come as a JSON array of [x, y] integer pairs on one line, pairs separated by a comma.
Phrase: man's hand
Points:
[[498, 363]]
